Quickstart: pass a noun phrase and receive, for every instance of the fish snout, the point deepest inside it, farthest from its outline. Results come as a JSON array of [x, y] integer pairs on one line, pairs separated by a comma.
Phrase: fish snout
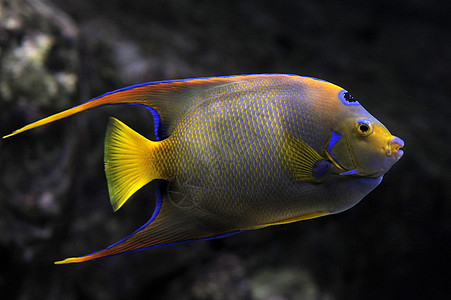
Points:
[[394, 147]]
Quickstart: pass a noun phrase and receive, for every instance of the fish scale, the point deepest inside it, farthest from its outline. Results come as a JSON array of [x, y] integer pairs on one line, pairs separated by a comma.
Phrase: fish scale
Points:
[[259, 160]]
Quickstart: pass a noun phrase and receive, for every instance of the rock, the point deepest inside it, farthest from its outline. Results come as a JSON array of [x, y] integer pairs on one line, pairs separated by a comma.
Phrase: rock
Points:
[[38, 71]]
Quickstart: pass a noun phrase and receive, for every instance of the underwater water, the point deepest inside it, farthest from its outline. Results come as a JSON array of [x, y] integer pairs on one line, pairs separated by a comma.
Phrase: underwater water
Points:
[[393, 57]]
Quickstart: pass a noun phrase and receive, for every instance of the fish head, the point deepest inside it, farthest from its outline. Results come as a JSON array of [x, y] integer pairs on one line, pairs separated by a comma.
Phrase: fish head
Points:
[[359, 144]]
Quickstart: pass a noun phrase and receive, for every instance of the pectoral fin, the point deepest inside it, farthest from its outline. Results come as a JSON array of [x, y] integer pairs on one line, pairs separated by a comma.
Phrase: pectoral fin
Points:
[[168, 225], [302, 161]]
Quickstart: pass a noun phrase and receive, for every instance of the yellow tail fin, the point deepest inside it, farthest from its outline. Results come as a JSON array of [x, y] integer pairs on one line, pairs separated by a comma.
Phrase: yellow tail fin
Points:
[[128, 162]]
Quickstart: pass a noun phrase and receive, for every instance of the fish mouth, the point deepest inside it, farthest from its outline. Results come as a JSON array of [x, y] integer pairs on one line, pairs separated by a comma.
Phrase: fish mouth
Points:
[[393, 152], [394, 146]]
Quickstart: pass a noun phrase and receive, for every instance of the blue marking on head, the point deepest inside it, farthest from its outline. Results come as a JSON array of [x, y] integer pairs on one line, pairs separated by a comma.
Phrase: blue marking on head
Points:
[[334, 138], [351, 172], [346, 98]]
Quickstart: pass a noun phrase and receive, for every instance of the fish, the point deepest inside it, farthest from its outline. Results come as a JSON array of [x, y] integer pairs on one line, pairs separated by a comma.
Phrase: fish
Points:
[[237, 153]]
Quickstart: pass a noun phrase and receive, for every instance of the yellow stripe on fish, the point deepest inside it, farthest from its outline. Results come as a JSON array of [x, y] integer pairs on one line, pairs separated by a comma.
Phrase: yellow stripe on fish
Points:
[[239, 152]]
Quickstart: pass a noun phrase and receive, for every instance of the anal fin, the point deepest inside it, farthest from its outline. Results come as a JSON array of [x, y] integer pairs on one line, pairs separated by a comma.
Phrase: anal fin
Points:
[[168, 225]]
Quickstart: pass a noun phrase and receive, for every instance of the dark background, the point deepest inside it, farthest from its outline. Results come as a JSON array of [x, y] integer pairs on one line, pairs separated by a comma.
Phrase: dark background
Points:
[[394, 56]]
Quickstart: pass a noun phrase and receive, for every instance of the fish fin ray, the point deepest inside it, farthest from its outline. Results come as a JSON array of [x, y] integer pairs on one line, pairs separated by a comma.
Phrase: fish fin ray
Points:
[[128, 162], [301, 159], [168, 225]]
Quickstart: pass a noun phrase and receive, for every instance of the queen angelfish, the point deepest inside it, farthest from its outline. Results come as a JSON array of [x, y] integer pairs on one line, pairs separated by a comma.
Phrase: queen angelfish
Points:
[[237, 153]]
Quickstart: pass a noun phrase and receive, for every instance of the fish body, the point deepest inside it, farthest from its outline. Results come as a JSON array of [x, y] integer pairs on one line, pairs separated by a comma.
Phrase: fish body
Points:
[[238, 153]]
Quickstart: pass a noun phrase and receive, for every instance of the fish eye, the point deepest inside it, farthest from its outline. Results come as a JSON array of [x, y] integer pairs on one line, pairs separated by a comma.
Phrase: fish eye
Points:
[[364, 127]]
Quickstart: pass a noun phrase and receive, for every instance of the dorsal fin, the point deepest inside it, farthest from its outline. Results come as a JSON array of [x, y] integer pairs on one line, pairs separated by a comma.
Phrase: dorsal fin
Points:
[[167, 100]]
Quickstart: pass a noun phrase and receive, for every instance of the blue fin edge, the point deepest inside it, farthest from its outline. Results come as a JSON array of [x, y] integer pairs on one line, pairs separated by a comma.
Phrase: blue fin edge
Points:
[[156, 119]]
